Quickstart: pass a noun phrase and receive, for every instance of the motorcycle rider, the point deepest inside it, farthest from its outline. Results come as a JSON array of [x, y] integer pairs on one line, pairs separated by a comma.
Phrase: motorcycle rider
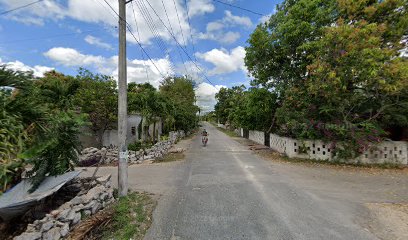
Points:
[[204, 135]]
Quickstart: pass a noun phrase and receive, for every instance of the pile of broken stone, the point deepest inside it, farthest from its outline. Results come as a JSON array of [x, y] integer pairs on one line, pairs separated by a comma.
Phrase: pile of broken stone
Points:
[[92, 196], [108, 155]]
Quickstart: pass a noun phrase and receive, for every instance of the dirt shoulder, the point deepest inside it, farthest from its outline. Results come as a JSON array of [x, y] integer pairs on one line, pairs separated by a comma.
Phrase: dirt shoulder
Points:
[[380, 194]]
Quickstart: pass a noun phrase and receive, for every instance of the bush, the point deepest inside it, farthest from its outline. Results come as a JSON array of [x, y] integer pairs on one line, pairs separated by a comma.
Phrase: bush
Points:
[[135, 146]]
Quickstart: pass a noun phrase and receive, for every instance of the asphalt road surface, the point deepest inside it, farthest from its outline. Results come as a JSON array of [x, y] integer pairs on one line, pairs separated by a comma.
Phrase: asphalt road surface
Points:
[[223, 191]]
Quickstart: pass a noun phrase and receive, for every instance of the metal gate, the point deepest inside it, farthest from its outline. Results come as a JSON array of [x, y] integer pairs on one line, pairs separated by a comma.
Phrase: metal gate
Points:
[[267, 139], [245, 133]]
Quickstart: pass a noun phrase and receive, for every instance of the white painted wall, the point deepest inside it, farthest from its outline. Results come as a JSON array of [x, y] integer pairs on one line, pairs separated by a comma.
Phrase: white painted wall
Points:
[[257, 136], [385, 152]]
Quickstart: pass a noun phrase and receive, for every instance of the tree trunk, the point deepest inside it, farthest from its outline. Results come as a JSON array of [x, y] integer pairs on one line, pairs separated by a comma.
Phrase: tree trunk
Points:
[[154, 132], [99, 137]]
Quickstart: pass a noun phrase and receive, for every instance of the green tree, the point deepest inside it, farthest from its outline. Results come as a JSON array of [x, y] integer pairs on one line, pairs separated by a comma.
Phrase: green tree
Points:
[[278, 52], [147, 101], [179, 92], [37, 126], [336, 69], [97, 97], [255, 110], [226, 100]]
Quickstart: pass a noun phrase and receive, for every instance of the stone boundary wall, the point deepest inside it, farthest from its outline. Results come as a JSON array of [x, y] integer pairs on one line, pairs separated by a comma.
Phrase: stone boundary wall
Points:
[[238, 132], [395, 152], [257, 136], [58, 223], [111, 153]]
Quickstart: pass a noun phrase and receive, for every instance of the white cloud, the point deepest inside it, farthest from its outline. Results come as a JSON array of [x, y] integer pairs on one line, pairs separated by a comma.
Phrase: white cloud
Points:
[[97, 42], [265, 18], [237, 20], [215, 30], [99, 12], [224, 61], [230, 37], [46, 9], [190, 69], [70, 57], [37, 70], [200, 7], [206, 96], [220, 36], [214, 26], [136, 68]]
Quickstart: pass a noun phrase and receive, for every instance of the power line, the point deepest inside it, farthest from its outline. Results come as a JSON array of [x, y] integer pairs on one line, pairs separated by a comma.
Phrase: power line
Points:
[[178, 18], [18, 8], [238, 7], [152, 26], [189, 27], [140, 45], [175, 39], [171, 28], [150, 23], [138, 34]]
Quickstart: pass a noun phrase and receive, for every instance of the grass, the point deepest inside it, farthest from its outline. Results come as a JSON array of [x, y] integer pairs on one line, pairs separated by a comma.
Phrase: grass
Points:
[[132, 216], [345, 163], [171, 157]]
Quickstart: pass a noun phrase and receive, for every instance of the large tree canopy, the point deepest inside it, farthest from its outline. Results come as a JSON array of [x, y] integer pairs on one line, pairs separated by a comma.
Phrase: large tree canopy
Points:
[[334, 70], [181, 96]]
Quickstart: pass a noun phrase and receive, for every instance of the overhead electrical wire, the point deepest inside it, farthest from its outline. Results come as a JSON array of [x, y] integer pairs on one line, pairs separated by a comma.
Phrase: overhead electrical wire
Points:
[[189, 27], [20, 7], [138, 34], [138, 42], [148, 18], [238, 7], [178, 18], [171, 28], [149, 21], [175, 39]]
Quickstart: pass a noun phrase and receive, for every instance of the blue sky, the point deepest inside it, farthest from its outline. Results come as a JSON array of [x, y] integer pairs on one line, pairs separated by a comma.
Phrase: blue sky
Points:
[[66, 35]]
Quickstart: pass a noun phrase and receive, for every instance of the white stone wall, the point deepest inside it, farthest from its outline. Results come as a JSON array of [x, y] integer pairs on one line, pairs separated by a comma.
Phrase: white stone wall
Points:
[[385, 152], [257, 136], [58, 223]]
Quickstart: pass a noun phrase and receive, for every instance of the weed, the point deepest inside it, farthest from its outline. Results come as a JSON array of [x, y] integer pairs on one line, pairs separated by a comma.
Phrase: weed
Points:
[[131, 217]]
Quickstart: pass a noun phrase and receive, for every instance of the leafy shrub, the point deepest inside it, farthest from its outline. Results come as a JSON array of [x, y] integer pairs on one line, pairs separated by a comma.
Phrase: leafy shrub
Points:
[[58, 153], [11, 145], [135, 146]]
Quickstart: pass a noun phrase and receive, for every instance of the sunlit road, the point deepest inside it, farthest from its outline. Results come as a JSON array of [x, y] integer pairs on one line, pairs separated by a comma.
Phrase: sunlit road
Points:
[[223, 191]]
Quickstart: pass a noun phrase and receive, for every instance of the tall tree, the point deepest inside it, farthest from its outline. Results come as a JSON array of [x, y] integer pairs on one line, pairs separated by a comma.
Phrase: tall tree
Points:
[[278, 52], [97, 97], [180, 94]]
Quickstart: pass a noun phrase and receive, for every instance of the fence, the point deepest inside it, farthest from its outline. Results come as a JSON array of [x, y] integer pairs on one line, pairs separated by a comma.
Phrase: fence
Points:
[[386, 152]]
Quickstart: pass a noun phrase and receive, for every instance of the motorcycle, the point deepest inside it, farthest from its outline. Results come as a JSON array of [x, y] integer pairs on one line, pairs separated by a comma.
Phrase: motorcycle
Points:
[[204, 140]]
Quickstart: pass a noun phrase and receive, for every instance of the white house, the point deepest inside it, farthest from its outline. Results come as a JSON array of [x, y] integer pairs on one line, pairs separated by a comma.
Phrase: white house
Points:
[[137, 129]]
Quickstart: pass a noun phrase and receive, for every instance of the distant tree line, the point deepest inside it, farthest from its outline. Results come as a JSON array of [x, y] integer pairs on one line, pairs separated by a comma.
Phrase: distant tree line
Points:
[[41, 118]]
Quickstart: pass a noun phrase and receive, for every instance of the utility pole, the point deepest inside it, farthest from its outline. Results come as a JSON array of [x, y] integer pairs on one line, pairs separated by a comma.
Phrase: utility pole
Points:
[[122, 103]]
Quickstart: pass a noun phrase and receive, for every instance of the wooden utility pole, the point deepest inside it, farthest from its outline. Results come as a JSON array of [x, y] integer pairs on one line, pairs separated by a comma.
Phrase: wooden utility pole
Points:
[[122, 103]]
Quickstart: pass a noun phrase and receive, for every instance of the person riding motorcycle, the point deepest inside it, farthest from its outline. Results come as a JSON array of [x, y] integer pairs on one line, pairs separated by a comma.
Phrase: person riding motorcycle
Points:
[[204, 138]]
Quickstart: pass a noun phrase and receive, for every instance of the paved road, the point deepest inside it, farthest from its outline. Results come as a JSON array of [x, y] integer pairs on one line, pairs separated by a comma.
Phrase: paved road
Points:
[[223, 191]]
